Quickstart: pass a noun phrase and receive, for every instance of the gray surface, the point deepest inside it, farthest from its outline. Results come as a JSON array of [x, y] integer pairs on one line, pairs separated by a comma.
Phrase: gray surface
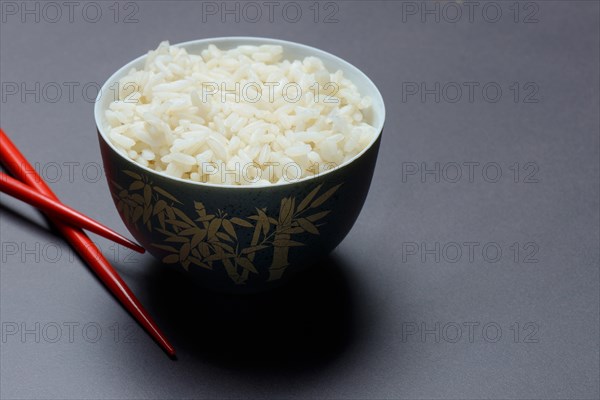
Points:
[[337, 332]]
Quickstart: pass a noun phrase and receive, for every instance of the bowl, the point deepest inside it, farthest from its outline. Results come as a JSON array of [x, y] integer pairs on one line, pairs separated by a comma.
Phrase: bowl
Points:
[[241, 238]]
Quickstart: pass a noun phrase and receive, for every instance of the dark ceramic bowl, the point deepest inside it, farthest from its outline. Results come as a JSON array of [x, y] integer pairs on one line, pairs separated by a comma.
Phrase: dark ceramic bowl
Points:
[[241, 238]]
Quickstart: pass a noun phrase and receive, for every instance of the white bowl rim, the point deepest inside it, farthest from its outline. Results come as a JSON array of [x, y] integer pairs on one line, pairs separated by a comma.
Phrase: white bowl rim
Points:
[[376, 97]]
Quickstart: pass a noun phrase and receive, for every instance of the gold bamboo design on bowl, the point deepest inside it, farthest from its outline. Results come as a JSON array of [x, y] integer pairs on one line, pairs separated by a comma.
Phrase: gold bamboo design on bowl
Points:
[[211, 240]]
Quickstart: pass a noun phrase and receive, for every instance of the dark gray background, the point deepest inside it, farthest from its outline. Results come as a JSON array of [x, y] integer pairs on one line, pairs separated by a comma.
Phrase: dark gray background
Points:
[[339, 331]]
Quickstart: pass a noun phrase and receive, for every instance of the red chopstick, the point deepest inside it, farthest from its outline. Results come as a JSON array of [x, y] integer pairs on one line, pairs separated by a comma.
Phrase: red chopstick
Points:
[[18, 165], [19, 190]]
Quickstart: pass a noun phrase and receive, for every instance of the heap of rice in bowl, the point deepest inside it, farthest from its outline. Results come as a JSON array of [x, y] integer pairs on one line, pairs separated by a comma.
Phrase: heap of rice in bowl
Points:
[[243, 116]]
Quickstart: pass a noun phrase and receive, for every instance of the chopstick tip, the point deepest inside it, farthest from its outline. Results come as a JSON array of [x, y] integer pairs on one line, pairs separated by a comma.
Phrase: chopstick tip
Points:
[[171, 353]]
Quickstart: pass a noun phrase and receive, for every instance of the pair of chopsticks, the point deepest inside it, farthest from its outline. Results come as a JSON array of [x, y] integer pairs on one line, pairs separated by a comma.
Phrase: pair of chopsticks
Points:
[[31, 188]]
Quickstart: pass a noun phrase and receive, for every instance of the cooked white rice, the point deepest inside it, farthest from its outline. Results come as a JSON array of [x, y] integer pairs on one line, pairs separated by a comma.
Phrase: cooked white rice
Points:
[[242, 116]]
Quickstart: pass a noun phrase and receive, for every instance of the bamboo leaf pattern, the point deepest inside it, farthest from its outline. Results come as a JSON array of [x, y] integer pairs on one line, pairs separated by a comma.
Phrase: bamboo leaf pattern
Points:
[[286, 243], [165, 193], [171, 259], [214, 226], [286, 212], [184, 251], [147, 194], [245, 263], [317, 216], [324, 197], [147, 213], [167, 248], [253, 249], [227, 225], [137, 213], [308, 198], [308, 226], [136, 185], [182, 215], [224, 236], [293, 230], [241, 222], [159, 207], [133, 175], [209, 240], [198, 237], [176, 239]]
